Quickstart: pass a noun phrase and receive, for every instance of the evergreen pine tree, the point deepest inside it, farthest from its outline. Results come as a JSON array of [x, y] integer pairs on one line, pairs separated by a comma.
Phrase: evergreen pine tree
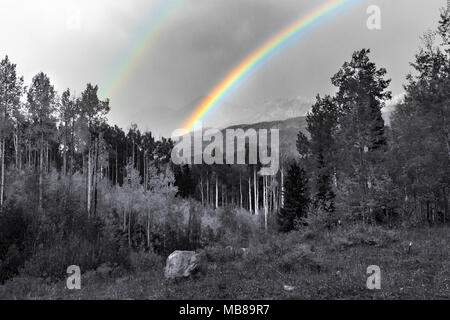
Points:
[[360, 136], [184, 181], [321, 124], [295, 198]]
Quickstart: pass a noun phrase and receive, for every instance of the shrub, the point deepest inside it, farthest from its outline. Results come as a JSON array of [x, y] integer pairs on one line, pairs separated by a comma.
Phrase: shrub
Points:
[[146, 261], [372, 235], [301, 256], [361, 234], [24, 287], [52, 262], [222, 254], [14, 231], [284, 252], [237, 227]]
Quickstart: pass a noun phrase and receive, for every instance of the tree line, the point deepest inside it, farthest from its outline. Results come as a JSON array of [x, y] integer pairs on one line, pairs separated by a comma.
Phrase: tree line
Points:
[[41, 131], [360, 169]]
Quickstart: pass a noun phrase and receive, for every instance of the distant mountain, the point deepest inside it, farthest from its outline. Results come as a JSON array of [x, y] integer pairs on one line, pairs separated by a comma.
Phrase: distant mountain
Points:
[[288, 130], [278, 110], [266, 111], [290, 127]]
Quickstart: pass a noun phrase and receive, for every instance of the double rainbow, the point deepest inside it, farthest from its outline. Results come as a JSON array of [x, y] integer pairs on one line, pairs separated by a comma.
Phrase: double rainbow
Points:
[[261, 53], [137, 52]]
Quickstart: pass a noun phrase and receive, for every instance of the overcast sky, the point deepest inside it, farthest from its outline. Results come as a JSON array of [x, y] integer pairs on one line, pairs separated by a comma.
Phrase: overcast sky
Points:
[[196, 45]]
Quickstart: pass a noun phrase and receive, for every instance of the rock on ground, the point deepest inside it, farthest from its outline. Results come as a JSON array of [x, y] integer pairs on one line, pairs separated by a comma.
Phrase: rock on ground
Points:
[[183, 264]]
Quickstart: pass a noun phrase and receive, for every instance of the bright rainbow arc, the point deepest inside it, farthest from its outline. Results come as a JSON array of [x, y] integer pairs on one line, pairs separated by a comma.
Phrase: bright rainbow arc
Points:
[[257, 56], [138, 51]]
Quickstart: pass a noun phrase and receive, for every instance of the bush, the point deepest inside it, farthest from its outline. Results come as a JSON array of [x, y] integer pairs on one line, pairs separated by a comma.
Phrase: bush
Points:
[[52, 262], [284, 252], [319, 220], [301, 256], [142, 261], [222, 254], [372, 235], [361, 234], [14, 229], [25, 288], [237, 227], [11, 262]]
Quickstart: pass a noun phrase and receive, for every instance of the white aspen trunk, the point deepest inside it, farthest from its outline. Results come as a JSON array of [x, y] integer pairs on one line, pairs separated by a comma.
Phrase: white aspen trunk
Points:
[[255, 189], [41, 168], [148, 228], [207, 190], [240, 190], [65, 151], [29, 156], [20, 159], [95, 175], [16, 148], [217, 191], [145, 171], [72, 148], [273, 194], [117, 165], [47, 167], [275, 198], [282, 188], [129, 229], [265, 200], [124, 220], [89, 178], [133, 155], [249, 193], [201, 189]]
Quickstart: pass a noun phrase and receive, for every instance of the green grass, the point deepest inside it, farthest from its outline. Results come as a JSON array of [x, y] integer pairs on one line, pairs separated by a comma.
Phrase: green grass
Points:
[[329, 265]]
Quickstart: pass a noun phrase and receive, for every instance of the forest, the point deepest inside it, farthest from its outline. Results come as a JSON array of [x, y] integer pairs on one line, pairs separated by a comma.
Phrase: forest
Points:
[[77, 190]]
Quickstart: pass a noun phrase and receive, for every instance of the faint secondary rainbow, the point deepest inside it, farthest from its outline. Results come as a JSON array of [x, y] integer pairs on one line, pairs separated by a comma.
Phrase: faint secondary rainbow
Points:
[[137, 52], [259, 55]]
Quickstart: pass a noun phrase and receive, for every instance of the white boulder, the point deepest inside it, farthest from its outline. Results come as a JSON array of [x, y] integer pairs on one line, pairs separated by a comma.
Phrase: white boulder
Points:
[[183, 264]]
